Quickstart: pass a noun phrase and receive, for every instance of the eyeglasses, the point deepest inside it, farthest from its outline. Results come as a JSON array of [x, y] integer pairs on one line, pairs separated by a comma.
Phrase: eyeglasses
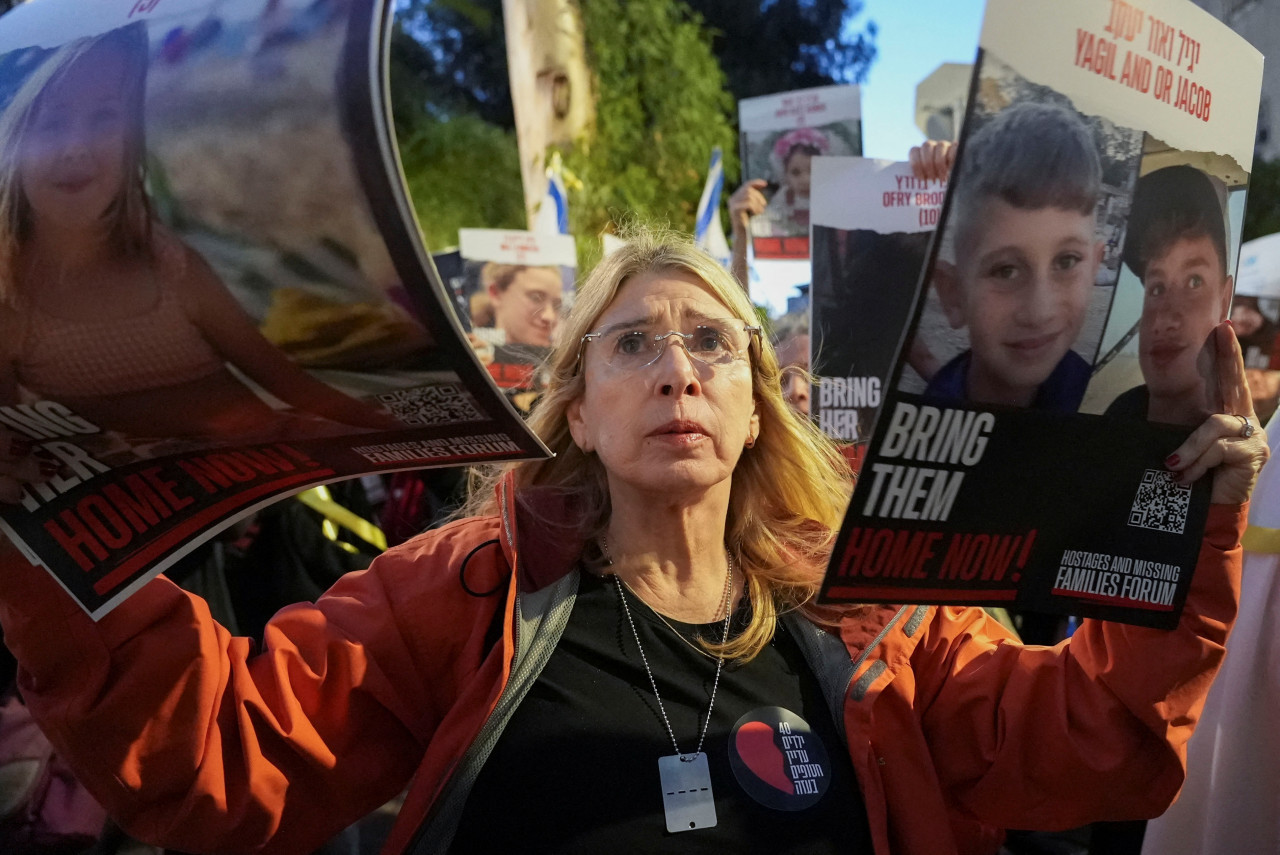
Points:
[[712, 342]]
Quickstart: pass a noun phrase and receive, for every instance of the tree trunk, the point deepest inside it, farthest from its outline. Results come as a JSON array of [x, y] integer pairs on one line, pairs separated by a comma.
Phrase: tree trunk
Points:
[[550, 84]]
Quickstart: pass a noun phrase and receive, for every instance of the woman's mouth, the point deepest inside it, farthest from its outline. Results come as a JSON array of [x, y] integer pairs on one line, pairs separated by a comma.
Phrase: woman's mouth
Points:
[[679, 431]]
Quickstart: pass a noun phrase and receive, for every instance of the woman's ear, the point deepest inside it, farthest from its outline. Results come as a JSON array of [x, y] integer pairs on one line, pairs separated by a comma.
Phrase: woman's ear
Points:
[[946, 279], [578, 426]]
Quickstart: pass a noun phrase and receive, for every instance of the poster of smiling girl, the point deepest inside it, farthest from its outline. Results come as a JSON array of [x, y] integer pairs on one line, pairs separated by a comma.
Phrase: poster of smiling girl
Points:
[[780, 136], [211, 291]]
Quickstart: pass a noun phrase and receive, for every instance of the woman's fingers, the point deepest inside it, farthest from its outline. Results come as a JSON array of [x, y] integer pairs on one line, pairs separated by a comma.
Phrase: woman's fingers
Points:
[[1232, 442]]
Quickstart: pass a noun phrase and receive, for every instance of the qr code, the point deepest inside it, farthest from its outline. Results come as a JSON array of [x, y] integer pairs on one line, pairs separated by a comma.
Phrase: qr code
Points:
[[1161, 503], [441, 404]]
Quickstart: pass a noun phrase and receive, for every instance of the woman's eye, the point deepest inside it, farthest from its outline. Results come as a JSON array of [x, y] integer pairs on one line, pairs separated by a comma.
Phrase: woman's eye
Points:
[[1155, 289], [1194, 281], [631, 343], [1005, 272], [707, 341]]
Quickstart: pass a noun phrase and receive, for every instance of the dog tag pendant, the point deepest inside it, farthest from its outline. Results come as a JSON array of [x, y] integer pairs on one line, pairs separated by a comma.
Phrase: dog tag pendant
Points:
[[686, 792]]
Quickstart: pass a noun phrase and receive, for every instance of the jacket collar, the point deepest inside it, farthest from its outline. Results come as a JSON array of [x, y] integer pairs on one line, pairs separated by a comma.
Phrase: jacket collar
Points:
[[541, 532]]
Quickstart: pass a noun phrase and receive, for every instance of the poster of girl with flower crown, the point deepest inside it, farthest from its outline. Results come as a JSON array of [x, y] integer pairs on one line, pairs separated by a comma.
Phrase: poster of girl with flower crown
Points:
[[781, 135]]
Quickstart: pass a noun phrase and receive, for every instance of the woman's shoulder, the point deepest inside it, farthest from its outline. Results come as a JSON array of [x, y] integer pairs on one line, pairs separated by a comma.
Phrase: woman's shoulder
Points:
[[453, 542]]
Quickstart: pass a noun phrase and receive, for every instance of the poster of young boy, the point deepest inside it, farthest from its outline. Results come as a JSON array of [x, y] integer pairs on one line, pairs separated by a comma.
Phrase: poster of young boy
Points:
[[516, 286], [212, 293], [780, 136], [1093, 211], [872, 222]]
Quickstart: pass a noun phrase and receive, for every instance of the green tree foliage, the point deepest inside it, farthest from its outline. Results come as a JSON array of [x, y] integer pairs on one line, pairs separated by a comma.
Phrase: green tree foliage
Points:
[[763, 46], [663, 100], [661, 106], [452, 58], [457, 147], [462, 172], [775, 45], [1262, 211]]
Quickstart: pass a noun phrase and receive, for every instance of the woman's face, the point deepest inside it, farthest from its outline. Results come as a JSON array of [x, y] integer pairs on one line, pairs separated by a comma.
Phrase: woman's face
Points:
[[528, 309], [674, 428], [72, 163]]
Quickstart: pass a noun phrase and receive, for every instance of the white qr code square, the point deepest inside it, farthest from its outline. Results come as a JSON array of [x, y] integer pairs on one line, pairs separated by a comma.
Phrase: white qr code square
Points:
[[1161, 503], [440, 404]]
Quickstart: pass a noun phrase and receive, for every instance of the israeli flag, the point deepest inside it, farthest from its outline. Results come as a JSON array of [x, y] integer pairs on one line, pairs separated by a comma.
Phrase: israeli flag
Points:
[[553, 211], [708, 233]]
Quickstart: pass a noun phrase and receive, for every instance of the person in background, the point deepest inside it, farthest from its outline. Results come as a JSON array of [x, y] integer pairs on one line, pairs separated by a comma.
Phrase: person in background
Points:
[[525, 302], [791, 341]]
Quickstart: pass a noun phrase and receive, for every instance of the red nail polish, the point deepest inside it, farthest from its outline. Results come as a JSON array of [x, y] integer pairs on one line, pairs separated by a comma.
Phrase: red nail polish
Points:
[[1233, 326], [1171, 460]]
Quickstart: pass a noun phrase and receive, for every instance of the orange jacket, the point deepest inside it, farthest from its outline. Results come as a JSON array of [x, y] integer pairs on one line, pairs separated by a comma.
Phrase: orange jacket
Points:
[[194, 741]]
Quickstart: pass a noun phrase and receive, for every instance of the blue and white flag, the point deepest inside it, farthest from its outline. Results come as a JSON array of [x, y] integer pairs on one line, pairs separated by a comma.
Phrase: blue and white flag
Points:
[[708, 233], [553, 211]]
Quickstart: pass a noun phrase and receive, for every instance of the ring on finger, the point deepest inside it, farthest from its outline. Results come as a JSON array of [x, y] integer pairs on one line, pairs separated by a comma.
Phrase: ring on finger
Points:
[[1246, 428]]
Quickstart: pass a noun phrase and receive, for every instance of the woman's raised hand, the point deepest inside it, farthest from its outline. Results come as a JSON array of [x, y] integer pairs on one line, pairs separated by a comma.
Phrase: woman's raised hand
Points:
[[1230, 442]]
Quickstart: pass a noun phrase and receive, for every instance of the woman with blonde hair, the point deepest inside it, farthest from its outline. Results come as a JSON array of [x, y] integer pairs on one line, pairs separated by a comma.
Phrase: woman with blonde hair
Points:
[[619, 648]]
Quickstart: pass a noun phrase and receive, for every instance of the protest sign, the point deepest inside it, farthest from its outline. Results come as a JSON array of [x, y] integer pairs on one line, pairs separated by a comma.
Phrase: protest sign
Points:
[[258, 313], [1082, 260]]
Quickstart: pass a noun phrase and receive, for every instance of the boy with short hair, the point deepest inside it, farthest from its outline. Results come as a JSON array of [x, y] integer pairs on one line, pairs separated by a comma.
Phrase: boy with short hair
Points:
[[1026, 257], [1176, 243]]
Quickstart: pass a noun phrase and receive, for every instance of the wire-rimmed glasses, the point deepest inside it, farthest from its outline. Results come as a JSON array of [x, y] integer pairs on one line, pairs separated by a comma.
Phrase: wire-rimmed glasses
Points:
[[712, 341]]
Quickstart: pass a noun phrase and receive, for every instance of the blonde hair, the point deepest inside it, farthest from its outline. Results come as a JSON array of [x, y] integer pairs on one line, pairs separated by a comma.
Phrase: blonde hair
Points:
[[789, 490], [130, 213]]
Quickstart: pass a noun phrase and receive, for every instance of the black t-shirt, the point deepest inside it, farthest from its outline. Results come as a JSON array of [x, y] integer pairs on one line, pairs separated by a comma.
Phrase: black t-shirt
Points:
[[576, 769]]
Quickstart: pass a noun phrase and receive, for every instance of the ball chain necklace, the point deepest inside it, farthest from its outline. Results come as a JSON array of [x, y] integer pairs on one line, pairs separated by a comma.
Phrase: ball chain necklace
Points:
[[686, 778]]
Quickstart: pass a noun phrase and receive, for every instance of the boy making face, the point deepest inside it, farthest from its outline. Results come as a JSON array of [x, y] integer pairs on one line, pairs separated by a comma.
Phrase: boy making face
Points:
[[1177, 246], [1026, 260]]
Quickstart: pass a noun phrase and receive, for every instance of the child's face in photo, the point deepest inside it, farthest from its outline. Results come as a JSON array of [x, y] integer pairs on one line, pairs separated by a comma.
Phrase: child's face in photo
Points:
[[528, 310], [1185, 294], [797, 174], [1021, 286], [73, 155]]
